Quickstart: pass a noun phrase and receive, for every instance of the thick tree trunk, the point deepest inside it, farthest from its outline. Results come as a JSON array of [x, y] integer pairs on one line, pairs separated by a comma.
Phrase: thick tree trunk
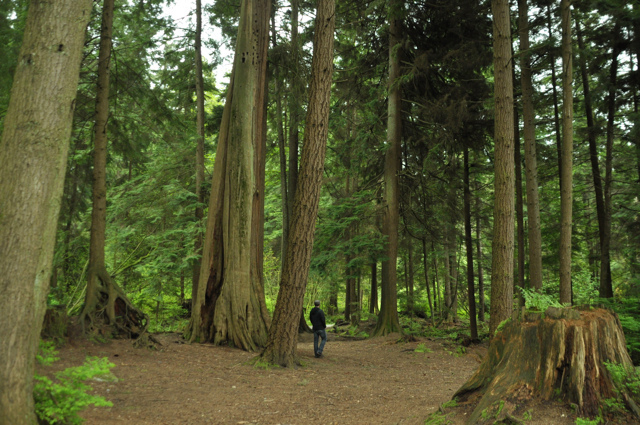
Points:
[[503, 212], [282, 339], [530, 160], [566, 191], [230, 306], [33, 154], [199, 213], [559, 354], [388, 319], [473, 326]]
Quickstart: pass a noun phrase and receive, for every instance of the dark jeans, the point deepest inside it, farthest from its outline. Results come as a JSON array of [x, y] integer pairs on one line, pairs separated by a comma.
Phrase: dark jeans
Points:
[[319, 334]]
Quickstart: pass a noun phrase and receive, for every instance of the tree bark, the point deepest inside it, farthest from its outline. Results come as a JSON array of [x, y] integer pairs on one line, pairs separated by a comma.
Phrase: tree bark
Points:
[[373, 300], [33, 154], [426, 281], [556, 112], [606, 285], [199, 213], [282, 339], [591, 137], [517, 158], [105, 302], [469, 248], [230, 306], [481, 302], [503, 211], [388, 318], [566, 191], [296, 93], [561, 355], [531, 167], [281, 151]]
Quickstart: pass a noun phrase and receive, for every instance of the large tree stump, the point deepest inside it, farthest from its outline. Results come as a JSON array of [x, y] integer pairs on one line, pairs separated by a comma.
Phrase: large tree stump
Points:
[[556, 355]]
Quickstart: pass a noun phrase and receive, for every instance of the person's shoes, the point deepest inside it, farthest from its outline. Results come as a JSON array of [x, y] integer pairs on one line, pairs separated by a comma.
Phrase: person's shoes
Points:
[[319, 355]]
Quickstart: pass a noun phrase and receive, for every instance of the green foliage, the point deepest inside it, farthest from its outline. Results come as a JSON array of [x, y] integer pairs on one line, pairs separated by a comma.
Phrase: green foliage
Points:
[[628, 310], [625, 379], [422, 348], [502, 325], [47, 353], [586, 421], [539, 301], [58, 401]]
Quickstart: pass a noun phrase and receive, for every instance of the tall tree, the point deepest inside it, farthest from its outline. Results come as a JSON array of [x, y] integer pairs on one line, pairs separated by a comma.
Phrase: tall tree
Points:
[[503, 211], [104, 299], [531, 166], [33, 154], [230, 306], [199, 213], [566, 190], [606, 286], [283, 336], [388, 318], [468, 239]]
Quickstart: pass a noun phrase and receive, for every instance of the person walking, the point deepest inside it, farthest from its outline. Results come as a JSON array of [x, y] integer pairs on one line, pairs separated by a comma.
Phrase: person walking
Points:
[[317, 321]]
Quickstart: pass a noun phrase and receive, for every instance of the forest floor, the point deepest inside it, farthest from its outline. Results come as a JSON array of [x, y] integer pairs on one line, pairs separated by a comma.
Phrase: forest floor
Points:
[[366, 381]]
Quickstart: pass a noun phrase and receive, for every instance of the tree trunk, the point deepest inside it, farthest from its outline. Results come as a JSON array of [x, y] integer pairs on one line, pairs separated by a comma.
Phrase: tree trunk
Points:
[[503, 212], [530, 160], [426, 281], [591, 137], [606, 285], [388, 319], [373, 300], [566, 191], [479, 259], [33, 154], [296, 93], [447, 282], [282, 339], [230, 306], [517, 158], [556, 112], [106, 304], [559, 354], [410, 300], [199, 213], [469, 248], [281, 152]]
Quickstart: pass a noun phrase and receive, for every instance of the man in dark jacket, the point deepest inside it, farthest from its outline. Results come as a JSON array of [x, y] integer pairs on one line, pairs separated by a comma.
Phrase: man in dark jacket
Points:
[[317, 321]]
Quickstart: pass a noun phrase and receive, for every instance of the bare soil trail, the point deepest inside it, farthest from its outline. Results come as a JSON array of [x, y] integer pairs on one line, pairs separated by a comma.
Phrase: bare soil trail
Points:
[[371, 381]]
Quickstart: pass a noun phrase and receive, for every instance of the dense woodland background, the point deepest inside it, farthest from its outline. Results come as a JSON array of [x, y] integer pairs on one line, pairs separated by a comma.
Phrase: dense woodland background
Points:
[[446, 83]]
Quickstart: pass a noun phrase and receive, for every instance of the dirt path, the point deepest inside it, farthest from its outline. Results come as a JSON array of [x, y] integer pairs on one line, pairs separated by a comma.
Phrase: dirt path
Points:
[[373, 381]]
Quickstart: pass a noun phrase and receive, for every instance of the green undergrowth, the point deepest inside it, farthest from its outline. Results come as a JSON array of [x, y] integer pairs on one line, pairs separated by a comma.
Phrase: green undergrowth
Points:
[[58, 400]]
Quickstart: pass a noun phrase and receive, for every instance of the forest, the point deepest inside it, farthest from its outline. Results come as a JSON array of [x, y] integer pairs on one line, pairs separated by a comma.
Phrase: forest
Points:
[[461, 172]]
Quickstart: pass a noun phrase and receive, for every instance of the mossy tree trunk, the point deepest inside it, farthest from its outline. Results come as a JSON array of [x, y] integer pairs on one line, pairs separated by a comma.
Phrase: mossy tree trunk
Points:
[[33, 154], [229, 307], [561, 353], [283, 334]]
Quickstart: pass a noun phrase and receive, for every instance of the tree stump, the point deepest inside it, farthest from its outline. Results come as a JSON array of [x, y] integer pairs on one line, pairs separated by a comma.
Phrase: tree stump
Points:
[[556, 355]]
